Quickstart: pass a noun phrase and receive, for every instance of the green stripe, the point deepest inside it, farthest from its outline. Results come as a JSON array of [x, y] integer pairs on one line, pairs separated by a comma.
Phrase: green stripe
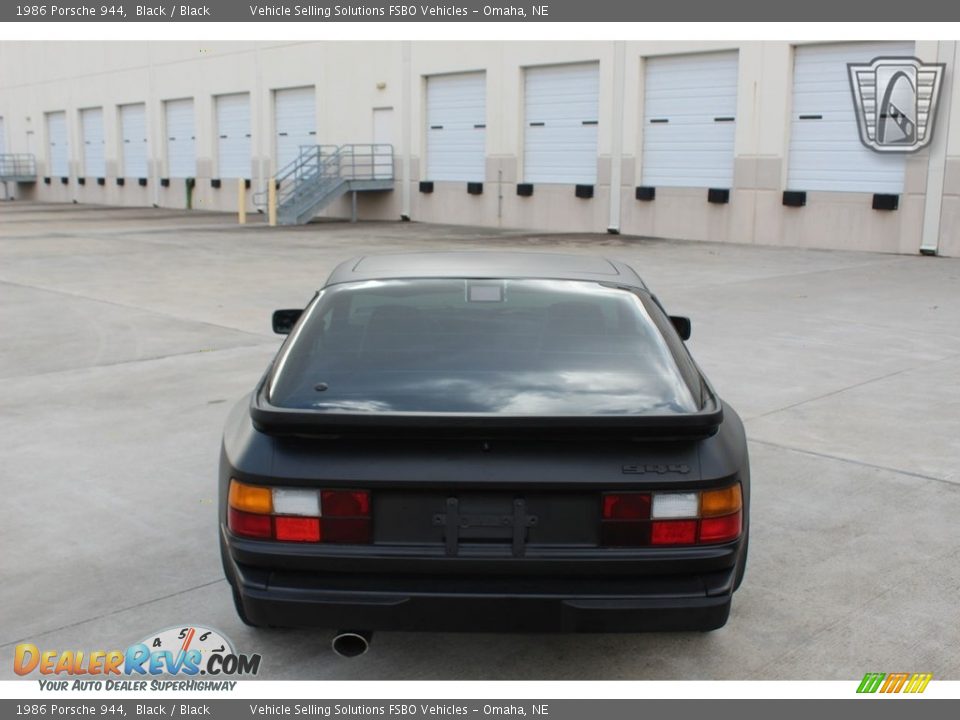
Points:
[[871, 682]]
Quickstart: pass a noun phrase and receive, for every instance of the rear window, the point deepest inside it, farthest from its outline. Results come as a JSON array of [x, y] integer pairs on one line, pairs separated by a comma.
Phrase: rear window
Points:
[[517, 347]]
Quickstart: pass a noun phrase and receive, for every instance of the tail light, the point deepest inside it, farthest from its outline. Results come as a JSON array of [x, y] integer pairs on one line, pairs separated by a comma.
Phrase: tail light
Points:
[[299, 515], [250, 524], [634, 519]]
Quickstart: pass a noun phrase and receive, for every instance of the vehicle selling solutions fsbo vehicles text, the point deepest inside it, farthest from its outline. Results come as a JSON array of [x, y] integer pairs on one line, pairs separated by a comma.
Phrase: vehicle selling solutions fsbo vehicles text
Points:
[[405, 709], [318, 11]]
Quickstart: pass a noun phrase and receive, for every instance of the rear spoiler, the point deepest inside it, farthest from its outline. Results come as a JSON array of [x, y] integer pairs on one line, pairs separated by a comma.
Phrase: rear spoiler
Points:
[[281, 421]]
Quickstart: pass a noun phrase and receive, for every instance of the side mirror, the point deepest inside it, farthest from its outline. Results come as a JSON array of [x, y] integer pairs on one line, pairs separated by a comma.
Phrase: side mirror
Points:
[[682, 325], [284, 320]]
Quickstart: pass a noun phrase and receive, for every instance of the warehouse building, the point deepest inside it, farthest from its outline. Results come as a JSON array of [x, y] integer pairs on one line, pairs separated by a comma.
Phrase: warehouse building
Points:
[[751, 142]]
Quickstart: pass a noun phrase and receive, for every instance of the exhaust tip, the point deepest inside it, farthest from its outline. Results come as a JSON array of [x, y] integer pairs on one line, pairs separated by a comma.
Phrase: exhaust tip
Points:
[[351, 643]]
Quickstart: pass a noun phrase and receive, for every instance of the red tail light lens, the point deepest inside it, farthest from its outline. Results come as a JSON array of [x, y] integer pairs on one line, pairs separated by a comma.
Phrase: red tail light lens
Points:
[[626, 506], [250, 524], [353, 531], [635, 519], [721, 529], [304, 515], [297, 529], [627, 533], [673, 532], [345, 503]]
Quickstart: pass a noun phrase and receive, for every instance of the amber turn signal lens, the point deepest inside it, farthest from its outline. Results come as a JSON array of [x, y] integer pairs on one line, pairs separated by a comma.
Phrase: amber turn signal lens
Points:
[[250, 498], [720, 502]]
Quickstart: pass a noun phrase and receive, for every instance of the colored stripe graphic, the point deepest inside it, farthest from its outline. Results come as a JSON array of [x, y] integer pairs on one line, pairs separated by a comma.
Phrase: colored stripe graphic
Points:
[[918, 682], [894, 682], [870, 682]]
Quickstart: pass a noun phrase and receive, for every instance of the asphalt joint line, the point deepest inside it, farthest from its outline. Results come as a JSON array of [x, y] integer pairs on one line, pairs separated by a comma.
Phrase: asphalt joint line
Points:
[[111, 613]]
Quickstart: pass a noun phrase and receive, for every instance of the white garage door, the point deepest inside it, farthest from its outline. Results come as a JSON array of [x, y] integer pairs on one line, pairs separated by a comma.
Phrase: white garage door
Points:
[[181, 140], [825, 148], [58, 147], [3, 137], [233, 133], [295, 120], [562, 107], [457, 127], [133, 133], [690, 107], [94, 146]]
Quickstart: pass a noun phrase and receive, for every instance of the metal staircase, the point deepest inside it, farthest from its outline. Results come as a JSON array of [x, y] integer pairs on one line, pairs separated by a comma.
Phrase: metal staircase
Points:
[[18, 168], [322, 173]]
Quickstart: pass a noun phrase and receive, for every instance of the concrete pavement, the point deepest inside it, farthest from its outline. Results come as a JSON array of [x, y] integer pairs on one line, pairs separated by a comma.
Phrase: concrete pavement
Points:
[[128, 333]]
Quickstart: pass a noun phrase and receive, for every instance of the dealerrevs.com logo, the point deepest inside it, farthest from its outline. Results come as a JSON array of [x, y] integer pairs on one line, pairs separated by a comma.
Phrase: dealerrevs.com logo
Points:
[[185, 651]]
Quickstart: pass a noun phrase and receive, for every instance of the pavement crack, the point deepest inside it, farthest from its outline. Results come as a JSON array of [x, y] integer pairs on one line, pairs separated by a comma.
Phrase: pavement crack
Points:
[[137, 308], [860, 463], [844, 389], [133, 361], [114, 612]]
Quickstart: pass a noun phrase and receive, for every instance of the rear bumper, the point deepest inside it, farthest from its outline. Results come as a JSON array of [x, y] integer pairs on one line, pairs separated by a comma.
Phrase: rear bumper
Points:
[[287, 597], [451, 612]]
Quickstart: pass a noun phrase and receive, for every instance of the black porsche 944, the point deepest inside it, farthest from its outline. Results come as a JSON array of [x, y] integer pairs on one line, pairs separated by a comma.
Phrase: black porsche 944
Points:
[[484, 441]]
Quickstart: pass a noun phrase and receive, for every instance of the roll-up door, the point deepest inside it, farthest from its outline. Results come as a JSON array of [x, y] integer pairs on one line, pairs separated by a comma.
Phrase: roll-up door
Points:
[[58, 146], [295, 120], [233, 133], [133, 132], [825, 148], [94, 145], [181, 139], [457, 127], [562, 107], [689, 123]]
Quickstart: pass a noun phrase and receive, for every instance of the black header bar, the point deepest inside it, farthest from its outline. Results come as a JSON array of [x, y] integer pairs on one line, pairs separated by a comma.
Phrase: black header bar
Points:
[[478, 11]]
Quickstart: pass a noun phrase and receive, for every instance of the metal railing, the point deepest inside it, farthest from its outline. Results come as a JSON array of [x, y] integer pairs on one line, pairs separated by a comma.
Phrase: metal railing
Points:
[[366, 162], [18, 166], [319, 169]]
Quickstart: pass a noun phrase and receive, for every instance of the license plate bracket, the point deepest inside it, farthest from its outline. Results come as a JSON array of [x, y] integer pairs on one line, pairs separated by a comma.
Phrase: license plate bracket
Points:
[[460, 523]]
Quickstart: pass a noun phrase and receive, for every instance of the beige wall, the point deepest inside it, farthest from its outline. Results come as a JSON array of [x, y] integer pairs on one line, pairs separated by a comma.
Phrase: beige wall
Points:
[[351, 79]]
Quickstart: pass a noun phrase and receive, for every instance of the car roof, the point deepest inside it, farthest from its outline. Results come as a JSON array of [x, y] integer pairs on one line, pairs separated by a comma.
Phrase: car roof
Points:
[[485, 264]]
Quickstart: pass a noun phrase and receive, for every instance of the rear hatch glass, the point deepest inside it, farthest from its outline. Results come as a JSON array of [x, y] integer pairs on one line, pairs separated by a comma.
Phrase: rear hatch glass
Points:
[[507, 347]]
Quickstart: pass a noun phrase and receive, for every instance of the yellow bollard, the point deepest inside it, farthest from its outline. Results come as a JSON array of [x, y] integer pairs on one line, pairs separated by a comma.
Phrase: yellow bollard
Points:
[[272, 202], [241, 202]]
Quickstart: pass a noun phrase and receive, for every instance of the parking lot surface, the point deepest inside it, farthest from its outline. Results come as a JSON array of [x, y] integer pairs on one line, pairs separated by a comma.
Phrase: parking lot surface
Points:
[[127, 334]]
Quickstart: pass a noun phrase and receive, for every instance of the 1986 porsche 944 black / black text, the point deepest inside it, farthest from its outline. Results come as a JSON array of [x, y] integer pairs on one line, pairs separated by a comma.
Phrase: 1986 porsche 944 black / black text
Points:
[[484, 441]]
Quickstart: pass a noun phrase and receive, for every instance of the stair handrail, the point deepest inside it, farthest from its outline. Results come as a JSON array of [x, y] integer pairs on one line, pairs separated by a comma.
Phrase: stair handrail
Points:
[[376, 160], [18, 165], [321, 170], [317, 167], [296, 169]]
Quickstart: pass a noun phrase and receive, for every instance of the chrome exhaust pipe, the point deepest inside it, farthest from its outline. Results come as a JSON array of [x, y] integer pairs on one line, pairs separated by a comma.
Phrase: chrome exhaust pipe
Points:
[[351, 643]]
